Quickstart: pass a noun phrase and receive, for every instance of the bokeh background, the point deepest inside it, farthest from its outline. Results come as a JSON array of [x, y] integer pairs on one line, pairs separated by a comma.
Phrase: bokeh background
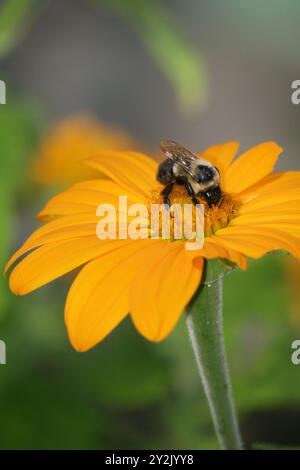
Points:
[[196, 72]]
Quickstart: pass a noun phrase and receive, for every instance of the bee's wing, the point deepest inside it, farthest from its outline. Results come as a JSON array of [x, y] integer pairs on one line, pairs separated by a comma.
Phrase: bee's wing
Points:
[[180, 155]]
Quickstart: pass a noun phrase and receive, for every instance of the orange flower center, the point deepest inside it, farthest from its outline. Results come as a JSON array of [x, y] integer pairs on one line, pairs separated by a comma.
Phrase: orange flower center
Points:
[[215, 216]]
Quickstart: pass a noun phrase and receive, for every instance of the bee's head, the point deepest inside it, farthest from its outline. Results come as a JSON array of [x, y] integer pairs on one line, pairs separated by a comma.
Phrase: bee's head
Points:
[[213, 196]]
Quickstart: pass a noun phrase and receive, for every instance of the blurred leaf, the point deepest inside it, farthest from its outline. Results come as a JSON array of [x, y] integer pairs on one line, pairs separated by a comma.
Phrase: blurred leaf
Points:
[[264, 446], [177, 58], [14, 16], [118, 376], [18, 134], [258, 332]]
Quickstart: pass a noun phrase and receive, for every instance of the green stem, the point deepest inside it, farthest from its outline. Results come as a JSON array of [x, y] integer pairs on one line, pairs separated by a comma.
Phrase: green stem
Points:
[[205, 326]]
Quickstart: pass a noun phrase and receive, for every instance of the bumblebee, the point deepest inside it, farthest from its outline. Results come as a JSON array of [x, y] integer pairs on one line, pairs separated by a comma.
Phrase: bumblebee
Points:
[[182, 167]]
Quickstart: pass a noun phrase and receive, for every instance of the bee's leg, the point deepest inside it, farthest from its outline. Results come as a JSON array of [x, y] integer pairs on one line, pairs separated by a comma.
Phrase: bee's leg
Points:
[[191, 193], [166, 193]]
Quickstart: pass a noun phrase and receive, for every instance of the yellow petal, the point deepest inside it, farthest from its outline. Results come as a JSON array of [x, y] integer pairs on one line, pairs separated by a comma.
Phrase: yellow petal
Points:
[[278, 208], [251, 166], [134, 171], [85, 197], [98, 298], [289, 228], [260, 218], [280, 180], [255, 241], [65, 228], [221, 154], [282, 188], [52, 261], [285, 219], [212, 249], [74, 226], [162, 288]]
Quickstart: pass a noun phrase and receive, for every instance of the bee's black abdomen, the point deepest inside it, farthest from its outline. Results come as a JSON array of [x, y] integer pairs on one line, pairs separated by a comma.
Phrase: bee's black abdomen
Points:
[[212, 196], [165, 173]]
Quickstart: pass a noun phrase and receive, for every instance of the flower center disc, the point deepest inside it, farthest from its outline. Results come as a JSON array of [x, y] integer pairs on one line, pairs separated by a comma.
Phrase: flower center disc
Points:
[[215, 216]]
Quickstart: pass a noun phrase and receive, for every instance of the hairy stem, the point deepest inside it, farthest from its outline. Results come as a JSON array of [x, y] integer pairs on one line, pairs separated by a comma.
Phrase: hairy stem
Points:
[[205, 326]]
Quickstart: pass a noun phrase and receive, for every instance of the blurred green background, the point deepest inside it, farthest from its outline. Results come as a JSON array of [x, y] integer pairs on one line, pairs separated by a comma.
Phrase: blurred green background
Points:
[[197, 72]]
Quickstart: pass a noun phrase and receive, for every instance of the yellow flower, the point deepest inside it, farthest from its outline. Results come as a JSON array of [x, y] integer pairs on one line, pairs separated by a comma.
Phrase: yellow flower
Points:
[[153, 280], [59, 159]]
